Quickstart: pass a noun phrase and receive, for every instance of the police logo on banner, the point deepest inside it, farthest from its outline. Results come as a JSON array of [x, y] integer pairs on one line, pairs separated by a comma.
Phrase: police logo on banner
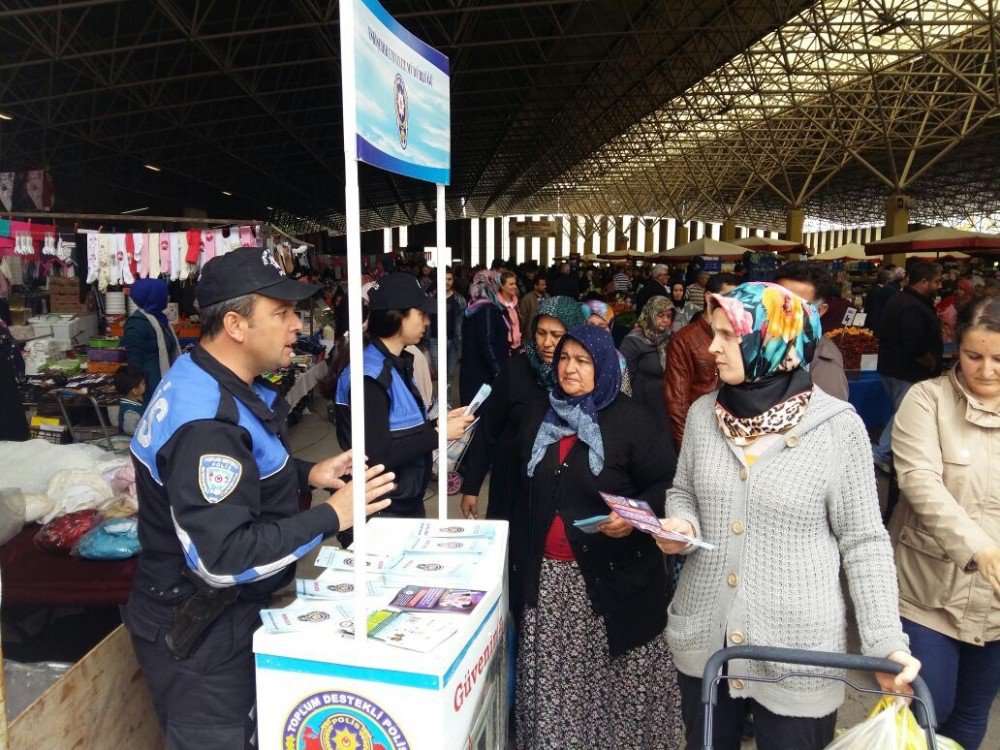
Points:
[[402, 109], [332, 720], [218, 476]]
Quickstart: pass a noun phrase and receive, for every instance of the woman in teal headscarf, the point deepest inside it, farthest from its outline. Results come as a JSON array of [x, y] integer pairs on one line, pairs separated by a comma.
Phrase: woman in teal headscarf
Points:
[[526, 380]]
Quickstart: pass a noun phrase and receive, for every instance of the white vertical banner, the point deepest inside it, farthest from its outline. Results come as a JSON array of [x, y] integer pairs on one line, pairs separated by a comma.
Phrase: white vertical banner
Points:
[[397, 116], [354, 317], [443, 257]]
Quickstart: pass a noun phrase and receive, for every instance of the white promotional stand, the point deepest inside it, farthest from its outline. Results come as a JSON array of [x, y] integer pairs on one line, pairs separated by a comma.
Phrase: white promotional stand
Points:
[[332, 692]]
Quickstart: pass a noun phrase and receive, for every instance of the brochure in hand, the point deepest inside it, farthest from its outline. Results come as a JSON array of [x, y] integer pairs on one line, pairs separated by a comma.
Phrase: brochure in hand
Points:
[[639, 515], [589, 525], [433, 599]]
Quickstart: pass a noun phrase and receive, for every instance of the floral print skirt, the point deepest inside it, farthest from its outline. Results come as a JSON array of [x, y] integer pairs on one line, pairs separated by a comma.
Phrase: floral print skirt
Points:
[[571, 694]]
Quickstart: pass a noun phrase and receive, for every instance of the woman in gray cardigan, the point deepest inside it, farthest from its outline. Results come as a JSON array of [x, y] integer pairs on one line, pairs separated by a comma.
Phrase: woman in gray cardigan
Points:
[[778, 476]]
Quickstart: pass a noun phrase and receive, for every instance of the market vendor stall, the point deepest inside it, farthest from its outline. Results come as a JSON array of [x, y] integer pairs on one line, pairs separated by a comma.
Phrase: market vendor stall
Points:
[[317, 687]]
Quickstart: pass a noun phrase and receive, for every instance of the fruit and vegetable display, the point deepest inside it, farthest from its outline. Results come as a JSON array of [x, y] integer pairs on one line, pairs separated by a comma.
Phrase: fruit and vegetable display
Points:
[[853, 342]]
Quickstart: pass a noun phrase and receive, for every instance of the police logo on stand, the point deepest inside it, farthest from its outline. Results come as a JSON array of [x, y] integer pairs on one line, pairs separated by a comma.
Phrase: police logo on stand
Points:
[[335, 720], [402, 109], [314, 616]]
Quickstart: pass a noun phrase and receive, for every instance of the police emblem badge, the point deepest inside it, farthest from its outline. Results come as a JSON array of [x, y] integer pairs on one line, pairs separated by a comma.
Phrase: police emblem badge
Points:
[[218, 476], [402, 109]]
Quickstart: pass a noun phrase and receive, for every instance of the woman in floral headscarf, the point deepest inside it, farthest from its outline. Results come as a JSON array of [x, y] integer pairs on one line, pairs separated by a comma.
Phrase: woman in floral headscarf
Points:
[[485, 335], [594, 670], [778, 476], [526, 380], [645, 352]]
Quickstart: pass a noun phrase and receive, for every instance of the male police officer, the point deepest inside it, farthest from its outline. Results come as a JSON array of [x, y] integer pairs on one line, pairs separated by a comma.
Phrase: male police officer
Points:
[[219, 520]]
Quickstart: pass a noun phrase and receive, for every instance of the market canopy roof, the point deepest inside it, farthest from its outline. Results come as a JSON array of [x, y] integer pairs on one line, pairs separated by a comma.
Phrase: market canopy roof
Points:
[[769, 244], [936, 239], [848, 251], [692, 109], [703, 246]]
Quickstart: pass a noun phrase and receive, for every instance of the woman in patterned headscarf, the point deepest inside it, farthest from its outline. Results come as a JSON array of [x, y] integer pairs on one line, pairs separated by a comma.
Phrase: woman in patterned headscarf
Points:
[[645, 352], [485, 335], [593, 667], [778, 477], [525, 381]]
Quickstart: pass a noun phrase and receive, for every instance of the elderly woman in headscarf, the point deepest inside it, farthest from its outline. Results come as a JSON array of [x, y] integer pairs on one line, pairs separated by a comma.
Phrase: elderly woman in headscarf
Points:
[[150, 343], [486, 330], [645, 352], [593, 666], [777, 475], [525, 381]]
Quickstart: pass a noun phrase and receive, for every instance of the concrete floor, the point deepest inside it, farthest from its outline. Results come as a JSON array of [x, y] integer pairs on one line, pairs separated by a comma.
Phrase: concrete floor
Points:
[[313, 439]]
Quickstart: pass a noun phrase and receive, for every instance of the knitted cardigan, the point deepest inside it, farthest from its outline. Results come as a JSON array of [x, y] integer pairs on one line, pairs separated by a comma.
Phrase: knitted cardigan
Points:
[[783, 529]]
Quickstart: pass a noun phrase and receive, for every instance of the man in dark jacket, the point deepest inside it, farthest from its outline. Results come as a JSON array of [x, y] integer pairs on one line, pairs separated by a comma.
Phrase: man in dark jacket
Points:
[[890, 283], [565, 283], [809, 280], [910, 344], [654, 286]]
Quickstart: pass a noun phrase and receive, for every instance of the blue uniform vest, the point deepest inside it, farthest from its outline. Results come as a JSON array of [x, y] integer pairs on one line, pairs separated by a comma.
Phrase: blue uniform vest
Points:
[[187, 394], [405, 411]]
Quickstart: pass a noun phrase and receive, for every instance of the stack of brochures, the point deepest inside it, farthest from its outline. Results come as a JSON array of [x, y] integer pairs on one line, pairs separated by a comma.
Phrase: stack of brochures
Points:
[[412, 597]]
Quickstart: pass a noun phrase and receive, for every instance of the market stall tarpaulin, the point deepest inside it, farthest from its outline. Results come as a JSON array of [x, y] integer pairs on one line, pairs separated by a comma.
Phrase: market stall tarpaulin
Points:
[[403, 98]]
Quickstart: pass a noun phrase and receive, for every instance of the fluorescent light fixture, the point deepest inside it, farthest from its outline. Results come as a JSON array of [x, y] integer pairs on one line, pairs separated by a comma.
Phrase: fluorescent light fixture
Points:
[[226, 192], [151, 167], [5, 116], [136, 210]]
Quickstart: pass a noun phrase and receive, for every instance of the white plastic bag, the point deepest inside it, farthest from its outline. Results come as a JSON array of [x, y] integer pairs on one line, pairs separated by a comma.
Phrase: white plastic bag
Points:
[[878, 732]]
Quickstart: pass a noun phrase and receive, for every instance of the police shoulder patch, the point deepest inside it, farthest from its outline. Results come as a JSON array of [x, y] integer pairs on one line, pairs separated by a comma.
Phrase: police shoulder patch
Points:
[[218, 476]]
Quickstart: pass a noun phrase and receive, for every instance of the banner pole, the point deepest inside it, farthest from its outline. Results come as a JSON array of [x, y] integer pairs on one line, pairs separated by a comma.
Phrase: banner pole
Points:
[[443, 261], [354, 317]]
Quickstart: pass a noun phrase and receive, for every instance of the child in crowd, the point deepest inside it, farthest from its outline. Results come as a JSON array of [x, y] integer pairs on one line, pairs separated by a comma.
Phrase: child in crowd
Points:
[[130, 382]]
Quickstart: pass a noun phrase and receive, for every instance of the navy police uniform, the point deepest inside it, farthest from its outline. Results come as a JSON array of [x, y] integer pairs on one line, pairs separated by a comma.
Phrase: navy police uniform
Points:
[[398, 434], [218, 494]]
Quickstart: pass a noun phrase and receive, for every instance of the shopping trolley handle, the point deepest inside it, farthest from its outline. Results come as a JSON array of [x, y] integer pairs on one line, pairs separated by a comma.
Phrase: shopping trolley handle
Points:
[[923, 707]]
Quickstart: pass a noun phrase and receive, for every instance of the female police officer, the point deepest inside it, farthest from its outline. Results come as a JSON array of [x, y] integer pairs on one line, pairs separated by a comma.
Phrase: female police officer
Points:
[[398, 433], [219, 520]]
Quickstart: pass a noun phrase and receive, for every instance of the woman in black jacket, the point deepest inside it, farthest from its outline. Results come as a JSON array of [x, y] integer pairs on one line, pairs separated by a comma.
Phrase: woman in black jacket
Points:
[[594, 669], [525, 381], [645, 352], [486, 332]]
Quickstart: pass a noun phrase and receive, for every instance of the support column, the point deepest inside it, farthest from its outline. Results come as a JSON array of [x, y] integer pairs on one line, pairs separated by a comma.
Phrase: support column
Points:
[[647, 226], [574, 232], [680, 233], [897, 221], [728, 233], [794, 221]]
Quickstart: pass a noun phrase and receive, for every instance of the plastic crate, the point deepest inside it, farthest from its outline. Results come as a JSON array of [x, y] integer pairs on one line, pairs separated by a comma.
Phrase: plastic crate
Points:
[[105, 355], [57, 437], [103, 368], [104, 342]]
